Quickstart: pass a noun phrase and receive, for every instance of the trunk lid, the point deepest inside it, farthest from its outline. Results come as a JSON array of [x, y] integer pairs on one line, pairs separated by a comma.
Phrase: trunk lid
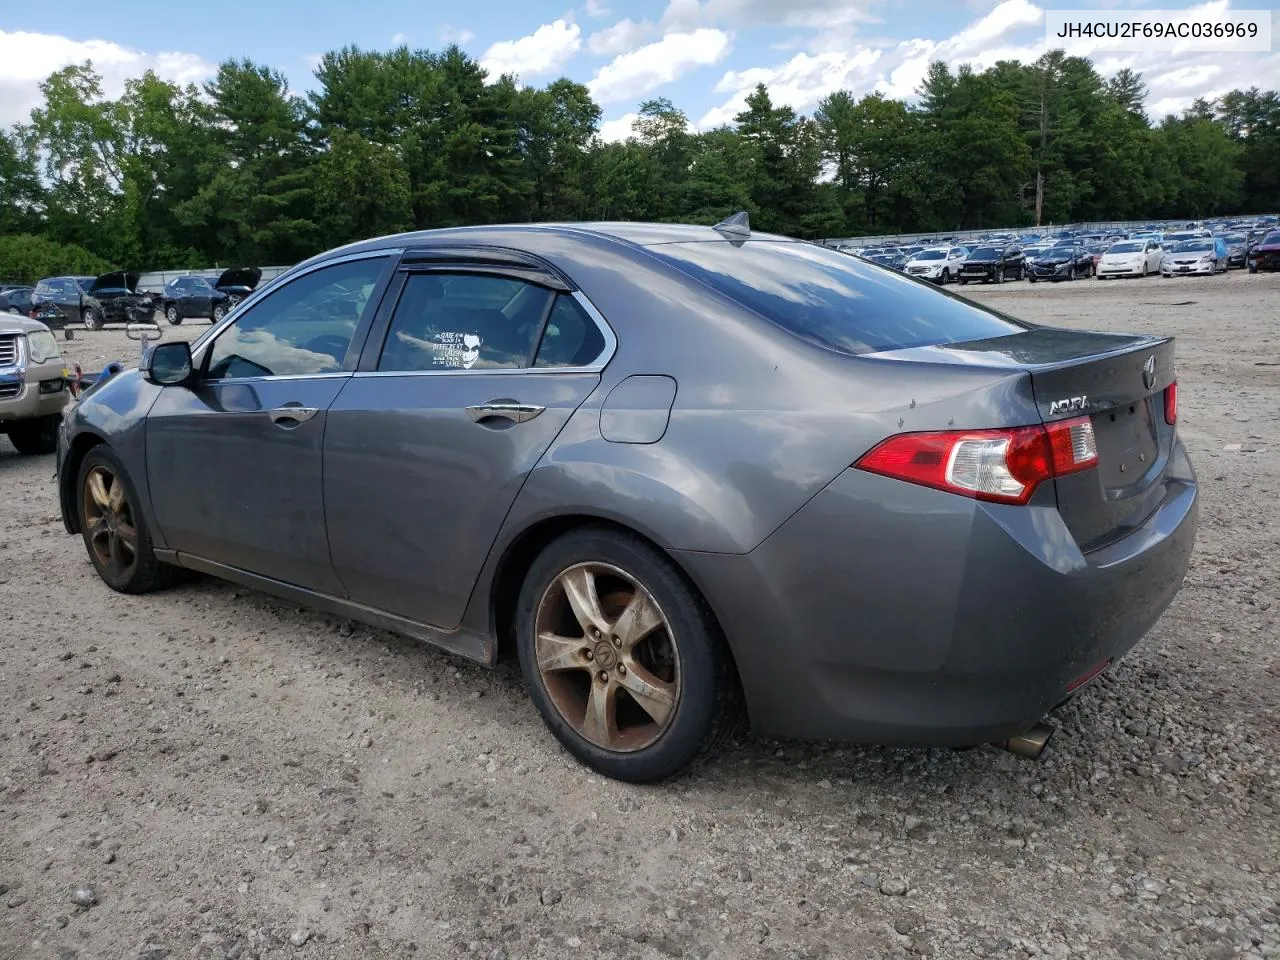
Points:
[[1118, 381]]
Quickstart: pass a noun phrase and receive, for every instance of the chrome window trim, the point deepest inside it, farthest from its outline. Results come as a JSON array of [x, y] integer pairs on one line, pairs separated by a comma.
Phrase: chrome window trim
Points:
[[596, 366], [336, 375], [201, 342]]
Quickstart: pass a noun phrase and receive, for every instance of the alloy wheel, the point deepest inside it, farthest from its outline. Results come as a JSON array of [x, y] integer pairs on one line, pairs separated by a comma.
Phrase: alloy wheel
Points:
[[607, 657], [111, 532]]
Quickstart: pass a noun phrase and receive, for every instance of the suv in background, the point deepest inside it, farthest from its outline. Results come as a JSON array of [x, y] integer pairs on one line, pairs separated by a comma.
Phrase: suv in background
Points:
[[110, 298], [57, 301], [33, 390], [994, 264]]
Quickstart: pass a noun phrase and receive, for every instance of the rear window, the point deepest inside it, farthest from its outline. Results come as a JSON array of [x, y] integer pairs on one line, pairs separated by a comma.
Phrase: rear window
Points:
[[834, 301]]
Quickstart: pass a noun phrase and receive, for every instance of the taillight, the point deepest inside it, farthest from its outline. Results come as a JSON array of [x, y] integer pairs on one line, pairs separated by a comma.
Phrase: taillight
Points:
[[1171, 403], [1004, 466]]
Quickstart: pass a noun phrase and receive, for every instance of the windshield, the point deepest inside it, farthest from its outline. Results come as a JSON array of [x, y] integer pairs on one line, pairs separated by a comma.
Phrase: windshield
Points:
[[1234, 238], [931, 255], [1194, 246], [833, 301], [1129, 247], [985, 253], [1271, 239], [1059, 253], [1180, 236]]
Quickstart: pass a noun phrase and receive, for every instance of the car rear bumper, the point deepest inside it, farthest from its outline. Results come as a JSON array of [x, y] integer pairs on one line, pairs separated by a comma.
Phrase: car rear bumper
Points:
[[884, 612]]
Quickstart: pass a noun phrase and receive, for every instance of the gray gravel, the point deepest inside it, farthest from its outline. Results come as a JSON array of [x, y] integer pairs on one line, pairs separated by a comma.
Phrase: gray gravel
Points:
[[234, 777]]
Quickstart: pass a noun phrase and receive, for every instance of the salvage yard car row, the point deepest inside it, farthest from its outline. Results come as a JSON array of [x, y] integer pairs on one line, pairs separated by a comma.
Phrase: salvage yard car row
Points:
[[118, 297]]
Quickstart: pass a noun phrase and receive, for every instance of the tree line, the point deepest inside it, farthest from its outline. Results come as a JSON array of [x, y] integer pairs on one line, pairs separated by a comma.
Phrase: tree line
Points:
[[243, 171]]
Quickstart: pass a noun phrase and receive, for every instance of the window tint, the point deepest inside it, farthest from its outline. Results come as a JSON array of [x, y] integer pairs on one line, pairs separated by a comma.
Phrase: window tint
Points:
[[571, 339], [834, 301], [305, 327], [464, 321]]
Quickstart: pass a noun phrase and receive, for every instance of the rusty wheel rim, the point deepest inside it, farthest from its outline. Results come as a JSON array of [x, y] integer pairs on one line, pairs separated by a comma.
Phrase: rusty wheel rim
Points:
[[108, 523], [607, 657]]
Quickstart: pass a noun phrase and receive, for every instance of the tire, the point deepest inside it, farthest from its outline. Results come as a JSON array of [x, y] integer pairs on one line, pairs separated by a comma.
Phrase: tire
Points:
[[219, 311], [1032, 278], [946, 276], [146, 572], [92, 318], [173, 314], [999, 277], [37, 437], [15, 311], [1253, 268], [963, 282], [696, 672]]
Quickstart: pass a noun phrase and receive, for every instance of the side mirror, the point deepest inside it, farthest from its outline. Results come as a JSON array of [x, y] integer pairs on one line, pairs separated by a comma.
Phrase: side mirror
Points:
[[167, 364]]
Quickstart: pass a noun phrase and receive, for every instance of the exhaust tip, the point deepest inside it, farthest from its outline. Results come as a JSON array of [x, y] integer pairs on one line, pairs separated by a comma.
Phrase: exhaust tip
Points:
[[1030, 744]]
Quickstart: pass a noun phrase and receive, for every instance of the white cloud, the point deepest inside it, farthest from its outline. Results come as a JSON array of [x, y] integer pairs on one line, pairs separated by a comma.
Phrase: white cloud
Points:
[[595, 8], [545, 50], [615, 131], [313, 60], [799, 83], [397, 39], [28, 58], [448, 35], [622, 36], [825, 14], [634, 74], [1008, 30]]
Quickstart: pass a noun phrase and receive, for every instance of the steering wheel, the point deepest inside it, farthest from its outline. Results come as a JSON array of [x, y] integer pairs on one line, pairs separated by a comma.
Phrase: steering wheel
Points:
[[330, 344]]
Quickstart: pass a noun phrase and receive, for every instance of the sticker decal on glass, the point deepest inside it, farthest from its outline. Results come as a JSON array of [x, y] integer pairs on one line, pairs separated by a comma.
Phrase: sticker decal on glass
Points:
[[456, 350]]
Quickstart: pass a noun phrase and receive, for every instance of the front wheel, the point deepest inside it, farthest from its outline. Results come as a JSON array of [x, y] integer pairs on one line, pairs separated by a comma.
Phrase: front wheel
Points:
[[1253, 268], [114, 529], [963, 282], [173, 314], [1032, 278], [219, 311], [35, 437], [623, 658], [946, 276], [92, 319]]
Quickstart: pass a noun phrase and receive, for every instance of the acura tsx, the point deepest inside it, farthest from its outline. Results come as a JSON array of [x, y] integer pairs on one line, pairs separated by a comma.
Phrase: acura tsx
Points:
[[678, 472]]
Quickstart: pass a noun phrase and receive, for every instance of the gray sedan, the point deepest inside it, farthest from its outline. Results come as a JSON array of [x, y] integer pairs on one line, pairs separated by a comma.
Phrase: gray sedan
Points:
[[679, 472]]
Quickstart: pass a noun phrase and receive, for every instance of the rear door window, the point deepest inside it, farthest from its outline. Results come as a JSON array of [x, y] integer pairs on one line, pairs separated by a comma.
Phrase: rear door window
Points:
[[834, 301], [464, 321]]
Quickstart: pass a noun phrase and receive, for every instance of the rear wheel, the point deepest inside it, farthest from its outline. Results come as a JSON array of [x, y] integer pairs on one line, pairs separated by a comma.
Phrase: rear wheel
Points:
[[92, 318], [623, 658], [173, 314], [114, 529], [35, 437]]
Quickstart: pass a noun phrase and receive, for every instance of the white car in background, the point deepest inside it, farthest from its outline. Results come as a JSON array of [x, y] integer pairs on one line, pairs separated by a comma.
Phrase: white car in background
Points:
[[939, 264], [1130, 258]]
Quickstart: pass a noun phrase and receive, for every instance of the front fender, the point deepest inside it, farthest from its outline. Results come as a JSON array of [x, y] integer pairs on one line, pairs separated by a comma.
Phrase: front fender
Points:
[[111, 411]]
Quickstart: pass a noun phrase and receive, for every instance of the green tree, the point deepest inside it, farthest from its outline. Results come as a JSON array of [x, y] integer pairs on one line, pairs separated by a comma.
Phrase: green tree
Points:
[[361, 190]]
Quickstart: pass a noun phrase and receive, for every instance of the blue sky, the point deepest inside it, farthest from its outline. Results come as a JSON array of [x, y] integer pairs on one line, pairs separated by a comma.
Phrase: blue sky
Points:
[[704, 55]]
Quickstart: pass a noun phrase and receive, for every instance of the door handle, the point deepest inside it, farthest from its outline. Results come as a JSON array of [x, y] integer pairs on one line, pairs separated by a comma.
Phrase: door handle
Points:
[[506, 409], [291, 415]]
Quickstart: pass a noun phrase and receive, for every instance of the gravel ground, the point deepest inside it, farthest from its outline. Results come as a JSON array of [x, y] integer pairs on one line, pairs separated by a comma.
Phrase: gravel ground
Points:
[[208, 772]]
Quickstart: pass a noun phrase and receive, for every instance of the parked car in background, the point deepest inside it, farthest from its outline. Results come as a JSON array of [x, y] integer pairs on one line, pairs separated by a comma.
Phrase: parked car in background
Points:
[[994, 264], [110, 298], [1130, 258], [187, 297], [1062, 263], [1096, 250], [894, 260], [15, 298], [237, 283], [941, 265], [1237, 249], [1203, 255], [33, 390], [1266, 254], [472, 387], [57, 301], [1178, 236]]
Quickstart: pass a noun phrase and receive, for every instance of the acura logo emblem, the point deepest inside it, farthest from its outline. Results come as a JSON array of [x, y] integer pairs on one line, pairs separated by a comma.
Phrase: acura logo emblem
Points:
[[1149, 372]]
